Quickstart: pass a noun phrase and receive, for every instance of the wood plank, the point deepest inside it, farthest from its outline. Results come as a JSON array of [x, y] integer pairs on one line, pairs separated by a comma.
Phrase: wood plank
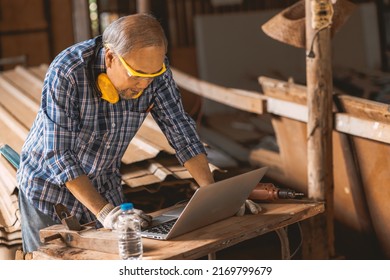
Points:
[[356, 106], [249, 101], [147, 143], [291, 138], [20, 106], [14, 92], [39, 71], [374, 162], [287, 109], [365, 109], [364, 128], [287, 91], [57, 252], [373, 123], [16, 132], [21, 81]]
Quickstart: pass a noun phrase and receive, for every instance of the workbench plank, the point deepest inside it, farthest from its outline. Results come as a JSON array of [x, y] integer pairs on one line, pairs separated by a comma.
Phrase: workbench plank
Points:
[[195, 244]]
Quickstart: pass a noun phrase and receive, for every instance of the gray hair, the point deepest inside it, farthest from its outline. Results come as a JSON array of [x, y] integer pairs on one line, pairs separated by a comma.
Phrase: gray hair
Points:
[[134, 32]]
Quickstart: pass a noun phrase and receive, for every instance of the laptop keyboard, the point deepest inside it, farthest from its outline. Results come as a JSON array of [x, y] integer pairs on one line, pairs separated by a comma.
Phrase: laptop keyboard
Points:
[[163, 228]]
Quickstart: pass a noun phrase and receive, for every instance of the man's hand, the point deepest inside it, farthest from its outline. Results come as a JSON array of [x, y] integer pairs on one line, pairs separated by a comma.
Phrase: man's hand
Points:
[[109, 215], [249, 205]]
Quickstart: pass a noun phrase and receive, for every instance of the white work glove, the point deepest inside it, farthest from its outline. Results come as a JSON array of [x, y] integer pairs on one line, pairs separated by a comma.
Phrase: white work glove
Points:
[[251, 206], [109, 214]]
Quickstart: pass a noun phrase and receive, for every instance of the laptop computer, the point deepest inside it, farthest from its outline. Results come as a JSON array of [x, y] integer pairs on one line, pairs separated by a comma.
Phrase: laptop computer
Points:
[[207, 205]]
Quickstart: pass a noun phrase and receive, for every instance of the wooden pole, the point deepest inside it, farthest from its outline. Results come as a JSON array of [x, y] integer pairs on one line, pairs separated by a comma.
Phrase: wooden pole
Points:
[[319, 127], [143, 6]]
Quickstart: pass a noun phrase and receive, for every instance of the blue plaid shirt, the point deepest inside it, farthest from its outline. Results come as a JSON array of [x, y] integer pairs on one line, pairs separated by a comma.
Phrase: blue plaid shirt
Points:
[[76, 132]]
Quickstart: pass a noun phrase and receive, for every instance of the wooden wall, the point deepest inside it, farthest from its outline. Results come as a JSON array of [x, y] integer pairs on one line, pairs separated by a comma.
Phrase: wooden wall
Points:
[[37, 29]]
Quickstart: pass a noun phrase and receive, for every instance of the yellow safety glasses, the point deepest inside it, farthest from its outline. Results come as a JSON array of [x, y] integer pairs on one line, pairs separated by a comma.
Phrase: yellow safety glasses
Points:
[[133, 73]]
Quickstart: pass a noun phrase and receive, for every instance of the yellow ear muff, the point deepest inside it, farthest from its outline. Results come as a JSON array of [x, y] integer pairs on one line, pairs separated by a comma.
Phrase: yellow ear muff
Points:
[[109, 92]]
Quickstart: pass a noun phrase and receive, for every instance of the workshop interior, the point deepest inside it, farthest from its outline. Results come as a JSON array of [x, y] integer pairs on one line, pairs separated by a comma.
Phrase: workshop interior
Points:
[[303, 92]]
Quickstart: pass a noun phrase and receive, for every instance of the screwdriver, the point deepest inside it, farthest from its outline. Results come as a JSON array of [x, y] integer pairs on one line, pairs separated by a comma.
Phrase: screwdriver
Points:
[[268, 192]]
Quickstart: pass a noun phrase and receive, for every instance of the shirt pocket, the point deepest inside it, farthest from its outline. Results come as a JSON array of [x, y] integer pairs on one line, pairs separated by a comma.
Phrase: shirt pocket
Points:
[[95, 150]]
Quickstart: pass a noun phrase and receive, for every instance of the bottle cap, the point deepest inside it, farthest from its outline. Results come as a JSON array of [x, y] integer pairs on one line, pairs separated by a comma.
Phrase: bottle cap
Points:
[[127, 206]]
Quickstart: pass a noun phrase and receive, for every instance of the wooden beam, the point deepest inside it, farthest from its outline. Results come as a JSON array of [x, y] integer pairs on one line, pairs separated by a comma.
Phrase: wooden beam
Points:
[[365, 109], [249, 101], [362, 127], [287, 109]]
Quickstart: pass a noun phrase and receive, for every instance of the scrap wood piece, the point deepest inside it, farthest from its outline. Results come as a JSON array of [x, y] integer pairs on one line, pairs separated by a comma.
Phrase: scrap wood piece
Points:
[[245, 100], [101, 240]]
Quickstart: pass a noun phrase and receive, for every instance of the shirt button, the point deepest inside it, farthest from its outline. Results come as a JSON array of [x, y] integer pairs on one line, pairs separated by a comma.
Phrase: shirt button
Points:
[[113, 125]]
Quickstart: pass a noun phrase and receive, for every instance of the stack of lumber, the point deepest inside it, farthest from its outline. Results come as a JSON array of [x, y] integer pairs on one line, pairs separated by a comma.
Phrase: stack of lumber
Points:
[[10, 231], [19, 98]]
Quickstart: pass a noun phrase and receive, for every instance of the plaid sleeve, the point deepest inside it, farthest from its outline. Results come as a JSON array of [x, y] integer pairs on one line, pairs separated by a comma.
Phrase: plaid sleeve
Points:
[[60, 127], [177, 125]]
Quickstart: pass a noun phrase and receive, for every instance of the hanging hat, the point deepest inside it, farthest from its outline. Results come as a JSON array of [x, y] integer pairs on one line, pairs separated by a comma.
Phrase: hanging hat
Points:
[[289, 25]]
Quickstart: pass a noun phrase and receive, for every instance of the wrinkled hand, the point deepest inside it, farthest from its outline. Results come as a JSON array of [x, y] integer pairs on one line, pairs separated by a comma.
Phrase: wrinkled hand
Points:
[[109, 214], [249, 205]]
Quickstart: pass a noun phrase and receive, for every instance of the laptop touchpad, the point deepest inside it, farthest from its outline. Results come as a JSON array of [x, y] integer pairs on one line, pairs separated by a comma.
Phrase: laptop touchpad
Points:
[[167, 216]]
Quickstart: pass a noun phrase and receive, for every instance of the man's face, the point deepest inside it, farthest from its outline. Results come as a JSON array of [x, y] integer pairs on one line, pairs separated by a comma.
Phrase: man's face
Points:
[[147, 60]]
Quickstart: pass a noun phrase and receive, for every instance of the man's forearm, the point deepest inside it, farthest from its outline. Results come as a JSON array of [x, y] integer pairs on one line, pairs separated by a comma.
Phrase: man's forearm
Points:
[[199, 168], [85, 192]]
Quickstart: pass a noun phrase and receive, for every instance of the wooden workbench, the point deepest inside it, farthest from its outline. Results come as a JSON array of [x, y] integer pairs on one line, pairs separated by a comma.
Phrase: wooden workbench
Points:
[[102, 244]]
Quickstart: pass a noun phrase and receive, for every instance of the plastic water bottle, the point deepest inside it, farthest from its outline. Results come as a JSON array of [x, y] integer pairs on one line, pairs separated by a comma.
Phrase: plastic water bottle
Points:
[[129, 234]]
